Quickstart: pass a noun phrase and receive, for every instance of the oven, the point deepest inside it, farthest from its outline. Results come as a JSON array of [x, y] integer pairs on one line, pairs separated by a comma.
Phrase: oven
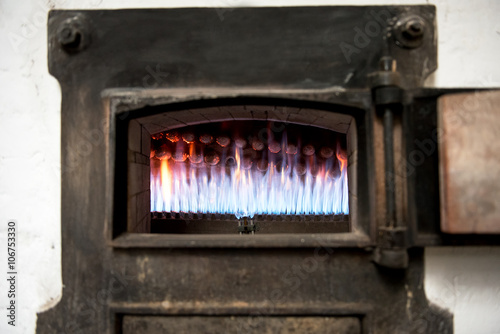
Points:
[[256, 170]]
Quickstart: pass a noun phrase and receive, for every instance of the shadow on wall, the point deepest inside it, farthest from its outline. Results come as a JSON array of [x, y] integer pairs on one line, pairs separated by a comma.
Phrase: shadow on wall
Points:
[[466, 281]]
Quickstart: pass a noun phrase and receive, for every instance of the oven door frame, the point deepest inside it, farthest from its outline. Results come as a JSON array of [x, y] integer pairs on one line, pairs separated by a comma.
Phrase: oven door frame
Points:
[[161, 101]]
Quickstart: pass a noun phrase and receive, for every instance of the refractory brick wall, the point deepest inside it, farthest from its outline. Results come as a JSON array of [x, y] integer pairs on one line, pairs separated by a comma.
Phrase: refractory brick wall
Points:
[[138, 207]]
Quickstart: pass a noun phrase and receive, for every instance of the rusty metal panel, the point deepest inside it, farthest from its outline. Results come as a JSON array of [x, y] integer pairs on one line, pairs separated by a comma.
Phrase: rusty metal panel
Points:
[[240, 324], [468, 128]]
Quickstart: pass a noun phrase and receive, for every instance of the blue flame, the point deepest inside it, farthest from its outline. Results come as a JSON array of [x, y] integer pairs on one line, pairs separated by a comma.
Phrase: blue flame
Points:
[[181, 187]]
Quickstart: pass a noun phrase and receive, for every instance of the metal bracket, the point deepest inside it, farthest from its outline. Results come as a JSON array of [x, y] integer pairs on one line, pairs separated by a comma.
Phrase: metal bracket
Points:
[[247, 226]]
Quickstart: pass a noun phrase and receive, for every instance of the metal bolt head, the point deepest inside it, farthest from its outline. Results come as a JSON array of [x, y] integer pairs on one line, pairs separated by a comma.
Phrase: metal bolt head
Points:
[[409, 31], [72, 34], [414, 29], [416, 26], [68, 36]]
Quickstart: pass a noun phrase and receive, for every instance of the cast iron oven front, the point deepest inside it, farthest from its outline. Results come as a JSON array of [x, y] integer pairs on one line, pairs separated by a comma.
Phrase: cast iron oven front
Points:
[[117, 66]]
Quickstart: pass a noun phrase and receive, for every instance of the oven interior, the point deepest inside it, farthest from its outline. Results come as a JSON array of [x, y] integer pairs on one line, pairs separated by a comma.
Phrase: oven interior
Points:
[[239, 169]]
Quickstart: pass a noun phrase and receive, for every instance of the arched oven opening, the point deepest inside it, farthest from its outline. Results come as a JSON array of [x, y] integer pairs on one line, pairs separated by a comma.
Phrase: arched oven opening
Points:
[[240, 168]]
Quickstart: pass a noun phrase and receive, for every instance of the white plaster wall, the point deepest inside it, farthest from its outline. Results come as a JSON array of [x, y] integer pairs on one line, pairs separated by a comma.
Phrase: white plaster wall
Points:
[[464, 280]]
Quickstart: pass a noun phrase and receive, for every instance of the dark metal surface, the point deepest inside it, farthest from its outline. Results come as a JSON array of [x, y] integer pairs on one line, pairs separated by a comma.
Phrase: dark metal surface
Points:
[[264, 226], [160, 61], [309, 47], [238, 324]]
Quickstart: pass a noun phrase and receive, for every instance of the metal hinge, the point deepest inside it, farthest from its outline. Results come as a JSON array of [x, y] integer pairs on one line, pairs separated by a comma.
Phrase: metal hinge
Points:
[[392, 240]]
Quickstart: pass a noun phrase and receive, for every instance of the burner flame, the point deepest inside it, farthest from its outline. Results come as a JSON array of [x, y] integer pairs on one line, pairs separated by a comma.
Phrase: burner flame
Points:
[[184, 186]]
